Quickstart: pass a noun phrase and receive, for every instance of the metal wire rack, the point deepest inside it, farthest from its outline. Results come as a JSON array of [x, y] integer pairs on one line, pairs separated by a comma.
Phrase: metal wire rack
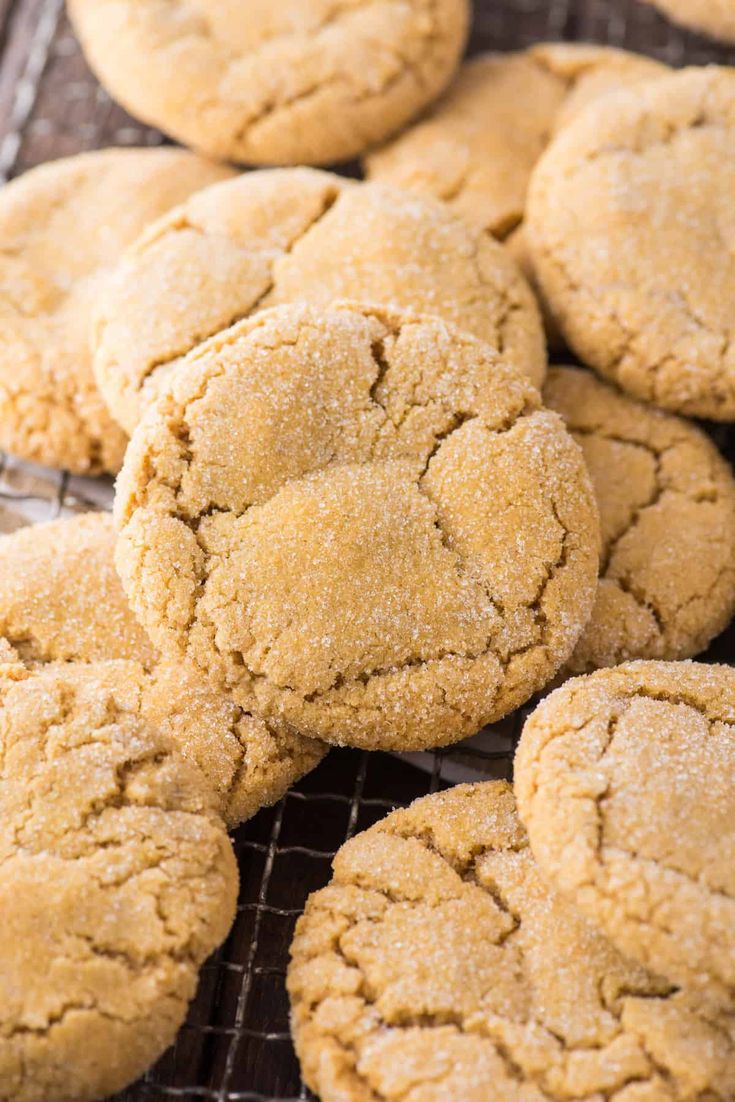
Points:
[[235, 1046]]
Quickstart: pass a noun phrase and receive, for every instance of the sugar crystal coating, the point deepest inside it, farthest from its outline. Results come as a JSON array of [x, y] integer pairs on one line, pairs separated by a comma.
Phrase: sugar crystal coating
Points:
[[295, 81], [118, 880], [438, 965], [359, 522], [477, 148], [61, 601], [63, 226], [299, 235], [629, 223], [667, 511], [625, 782]]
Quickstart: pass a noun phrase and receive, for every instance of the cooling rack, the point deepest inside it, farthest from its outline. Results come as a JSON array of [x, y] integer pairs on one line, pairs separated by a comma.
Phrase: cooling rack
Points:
[[235, 1045]]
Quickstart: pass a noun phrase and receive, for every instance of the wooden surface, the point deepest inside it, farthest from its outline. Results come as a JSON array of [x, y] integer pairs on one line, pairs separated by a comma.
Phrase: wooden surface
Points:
[[235, 1045]]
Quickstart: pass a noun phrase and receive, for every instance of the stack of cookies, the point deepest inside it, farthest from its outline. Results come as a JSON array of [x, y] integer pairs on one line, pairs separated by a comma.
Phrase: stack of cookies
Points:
[[356, 507]]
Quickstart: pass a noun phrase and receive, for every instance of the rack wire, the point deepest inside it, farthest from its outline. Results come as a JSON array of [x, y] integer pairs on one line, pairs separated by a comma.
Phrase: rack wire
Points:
[[235, 1045]]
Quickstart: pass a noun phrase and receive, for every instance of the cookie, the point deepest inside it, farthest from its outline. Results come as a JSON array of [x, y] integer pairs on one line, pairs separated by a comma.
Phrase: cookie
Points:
[[712, 17], [626, 783], [627, 221], [118, 880], [60, 596], [667, 514], [277, 236], [298, 81], [359, 522], [437, 966], [63, 226], [478, 146], [61, 601]]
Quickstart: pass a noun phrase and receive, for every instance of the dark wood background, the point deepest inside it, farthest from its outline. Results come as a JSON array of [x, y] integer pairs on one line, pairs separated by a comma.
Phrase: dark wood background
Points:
[[235, 1045]]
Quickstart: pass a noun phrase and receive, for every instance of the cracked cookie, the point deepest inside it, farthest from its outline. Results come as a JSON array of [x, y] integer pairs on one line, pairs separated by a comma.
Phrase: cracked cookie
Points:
[[63, 226], [712, 17], [667, 516], [278, 236], [626, 783], [629, 222], [61, 601], [297, 81], [117, 880], [359, 522], [477, 147], [437, 965]]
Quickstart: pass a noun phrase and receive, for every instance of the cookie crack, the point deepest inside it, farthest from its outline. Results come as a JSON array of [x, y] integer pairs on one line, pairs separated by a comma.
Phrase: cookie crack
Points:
[[57, 1019], [507, 296], [535, 605], [709, 592], [382, 362]]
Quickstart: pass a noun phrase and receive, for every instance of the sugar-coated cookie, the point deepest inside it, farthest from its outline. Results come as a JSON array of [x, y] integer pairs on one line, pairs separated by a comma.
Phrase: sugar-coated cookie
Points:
[[626, 784], [273, 81], [118, 880], [61, 601], [360, 522], [62, 227], [476, 149], [279, 236], [629, 221], [438, 965], [667, 515]]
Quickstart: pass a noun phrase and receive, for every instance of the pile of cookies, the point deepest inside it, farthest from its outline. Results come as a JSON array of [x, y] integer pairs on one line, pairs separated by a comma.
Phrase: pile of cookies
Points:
[[591, 955], [355, 507]]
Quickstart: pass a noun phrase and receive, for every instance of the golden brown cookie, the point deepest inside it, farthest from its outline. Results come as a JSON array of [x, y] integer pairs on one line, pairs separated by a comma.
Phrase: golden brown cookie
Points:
[[360, 522], [60, 596], [438, 966], [61, 601], [628, 220], [477, 147], [274, 237], [712, 17], [62, 227], [667, 515], [626, 783], [284, 82], [118, 880]]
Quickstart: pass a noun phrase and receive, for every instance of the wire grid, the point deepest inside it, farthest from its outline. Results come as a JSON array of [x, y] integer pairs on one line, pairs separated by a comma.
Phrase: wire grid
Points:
[[235, 1045]]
